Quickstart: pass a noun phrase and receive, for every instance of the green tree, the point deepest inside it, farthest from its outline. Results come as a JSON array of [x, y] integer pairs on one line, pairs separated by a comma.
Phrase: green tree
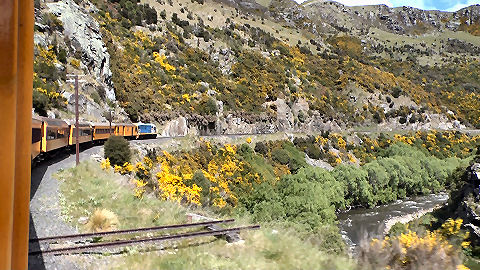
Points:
[[358, 190], [310, 197]]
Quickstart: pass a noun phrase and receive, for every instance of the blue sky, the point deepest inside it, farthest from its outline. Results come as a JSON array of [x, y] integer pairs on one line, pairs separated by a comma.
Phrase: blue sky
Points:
[[446, 5]]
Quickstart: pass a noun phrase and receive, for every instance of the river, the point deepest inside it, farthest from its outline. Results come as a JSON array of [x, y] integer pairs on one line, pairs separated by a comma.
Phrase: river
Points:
[[358, 223]]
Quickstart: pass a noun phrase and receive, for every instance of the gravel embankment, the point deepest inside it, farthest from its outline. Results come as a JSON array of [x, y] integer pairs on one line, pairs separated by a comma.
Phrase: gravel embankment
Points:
[[45, 209]]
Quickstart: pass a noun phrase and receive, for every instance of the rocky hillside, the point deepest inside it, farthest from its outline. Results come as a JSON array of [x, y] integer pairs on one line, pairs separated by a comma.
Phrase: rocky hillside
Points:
[[231, 66]]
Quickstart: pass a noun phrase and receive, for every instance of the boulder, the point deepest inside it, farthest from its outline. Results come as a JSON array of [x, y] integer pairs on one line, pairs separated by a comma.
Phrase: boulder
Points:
[[177, 127]]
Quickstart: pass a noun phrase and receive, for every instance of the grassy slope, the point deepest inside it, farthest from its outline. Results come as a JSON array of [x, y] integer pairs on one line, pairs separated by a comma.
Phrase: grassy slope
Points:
[[87, 188]]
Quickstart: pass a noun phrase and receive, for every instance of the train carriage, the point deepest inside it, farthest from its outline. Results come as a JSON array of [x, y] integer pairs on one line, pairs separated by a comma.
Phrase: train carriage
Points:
[[125, 130], [37, 125], [119, 129], [85, 133], [102, 131], [131, 130], [55, 134]]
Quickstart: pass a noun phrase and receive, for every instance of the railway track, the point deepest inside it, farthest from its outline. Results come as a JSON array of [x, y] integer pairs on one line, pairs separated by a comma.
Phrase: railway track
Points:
[[127, 242]]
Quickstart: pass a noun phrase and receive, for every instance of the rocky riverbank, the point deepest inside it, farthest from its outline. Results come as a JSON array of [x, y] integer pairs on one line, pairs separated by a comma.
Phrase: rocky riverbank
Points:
[[407, 218]]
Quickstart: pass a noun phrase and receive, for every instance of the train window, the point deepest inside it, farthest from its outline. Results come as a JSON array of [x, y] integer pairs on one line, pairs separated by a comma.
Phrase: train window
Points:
[[86, 132], [51, 134], [61, 133], [36, 135]]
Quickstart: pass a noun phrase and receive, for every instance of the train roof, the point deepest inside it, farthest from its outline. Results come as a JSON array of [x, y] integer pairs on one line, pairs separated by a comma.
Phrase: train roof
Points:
[[124, 124], [80, 124], [54, 122], [146, 124], [102, 124], [36, 121]]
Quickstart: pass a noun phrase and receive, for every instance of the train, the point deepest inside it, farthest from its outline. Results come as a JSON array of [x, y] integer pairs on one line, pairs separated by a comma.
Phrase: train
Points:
[[50, 135]]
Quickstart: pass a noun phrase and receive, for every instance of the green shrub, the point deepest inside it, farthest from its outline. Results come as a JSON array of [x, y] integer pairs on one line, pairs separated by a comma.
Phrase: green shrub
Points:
[[281, 156], [397, 92], [245, 150], [261, 148], [207, 107], [296, 157], [40, 103], [200, 179], [117, 150], [314, 151], [62, 55], [397, 229], [358, 190]]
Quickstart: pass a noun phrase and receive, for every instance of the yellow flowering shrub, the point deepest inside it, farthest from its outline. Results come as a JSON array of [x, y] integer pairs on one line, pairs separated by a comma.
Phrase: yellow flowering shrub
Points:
[[173, 187], [174, 180], [126, 168], [75, 63], [139, 188], [161, 59], [105, 164], [410, 250], [440, 144]]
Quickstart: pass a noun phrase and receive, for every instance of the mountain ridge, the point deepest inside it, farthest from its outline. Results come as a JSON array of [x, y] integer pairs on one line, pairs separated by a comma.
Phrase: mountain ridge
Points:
[[229, 66]]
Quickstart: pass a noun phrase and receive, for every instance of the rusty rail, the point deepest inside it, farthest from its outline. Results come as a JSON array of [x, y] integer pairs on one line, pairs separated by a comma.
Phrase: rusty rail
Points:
[[130, 231], [144, 240]]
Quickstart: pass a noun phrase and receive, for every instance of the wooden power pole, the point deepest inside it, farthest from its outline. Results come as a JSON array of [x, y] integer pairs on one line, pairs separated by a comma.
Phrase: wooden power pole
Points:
[[77, 146]]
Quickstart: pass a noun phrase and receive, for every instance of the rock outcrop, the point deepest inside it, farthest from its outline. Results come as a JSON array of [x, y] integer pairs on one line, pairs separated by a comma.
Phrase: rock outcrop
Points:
[[84, 32], [175, 128], [465, 202]]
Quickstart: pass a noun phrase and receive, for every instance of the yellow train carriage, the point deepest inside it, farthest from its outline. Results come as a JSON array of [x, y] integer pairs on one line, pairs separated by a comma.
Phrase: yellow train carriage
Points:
[[37, 125], [102, 131], [85, 133], [125, 130], [119, 129], [55, 134]]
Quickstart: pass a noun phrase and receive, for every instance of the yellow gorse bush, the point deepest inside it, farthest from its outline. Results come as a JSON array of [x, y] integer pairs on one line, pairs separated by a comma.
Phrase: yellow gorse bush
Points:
[[161, 59], [105, 164], [139, 188], [407, 250], [51, 94], [75, 63], [441, 144], [175, 172]]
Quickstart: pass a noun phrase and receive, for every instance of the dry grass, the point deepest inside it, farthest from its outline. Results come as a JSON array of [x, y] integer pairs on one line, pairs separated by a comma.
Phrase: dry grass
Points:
[[102, 220]]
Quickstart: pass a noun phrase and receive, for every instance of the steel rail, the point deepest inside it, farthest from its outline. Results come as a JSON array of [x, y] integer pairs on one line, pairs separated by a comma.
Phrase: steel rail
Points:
[[129, 231], [144, 240]]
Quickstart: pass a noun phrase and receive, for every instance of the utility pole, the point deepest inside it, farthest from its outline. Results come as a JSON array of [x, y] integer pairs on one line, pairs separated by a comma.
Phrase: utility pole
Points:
[[110, 121], [77, 146], [77, 143]]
